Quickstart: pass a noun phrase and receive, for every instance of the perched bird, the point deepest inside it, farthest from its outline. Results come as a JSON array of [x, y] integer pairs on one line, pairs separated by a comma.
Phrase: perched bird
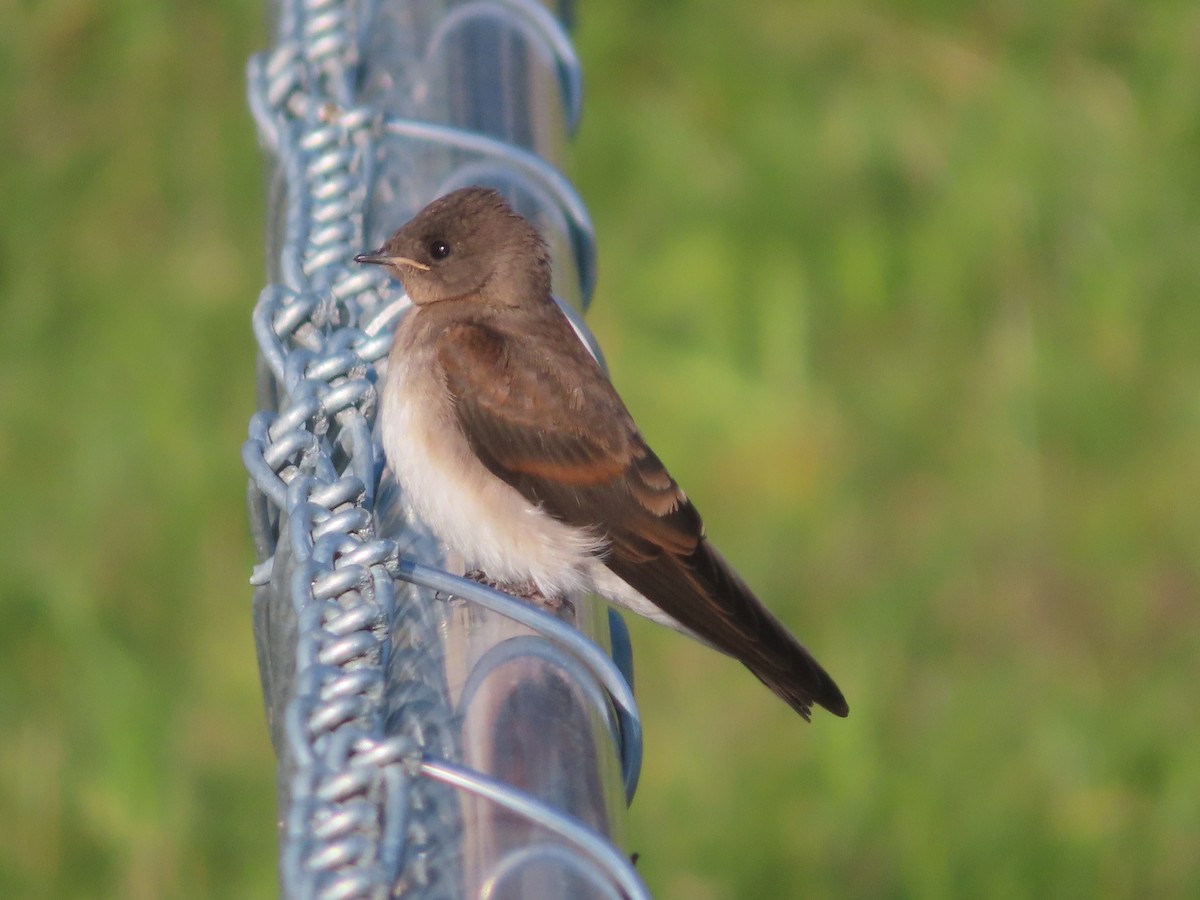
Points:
[[515, 449]]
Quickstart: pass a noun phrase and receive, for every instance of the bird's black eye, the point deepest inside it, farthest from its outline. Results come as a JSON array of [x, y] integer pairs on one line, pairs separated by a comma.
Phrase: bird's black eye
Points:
[[439, 249]]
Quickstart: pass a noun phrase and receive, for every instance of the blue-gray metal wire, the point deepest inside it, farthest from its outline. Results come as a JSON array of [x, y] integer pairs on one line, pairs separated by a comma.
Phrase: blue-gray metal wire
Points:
[[392, 686]]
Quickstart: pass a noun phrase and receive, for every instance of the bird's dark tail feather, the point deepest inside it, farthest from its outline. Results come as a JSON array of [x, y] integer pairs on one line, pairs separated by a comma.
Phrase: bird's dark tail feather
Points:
[[768, 649], [800, 691], [703, 593]]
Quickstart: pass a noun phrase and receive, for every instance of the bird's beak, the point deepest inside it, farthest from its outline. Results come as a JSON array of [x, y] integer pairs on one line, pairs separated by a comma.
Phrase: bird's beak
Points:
[[379, 258]]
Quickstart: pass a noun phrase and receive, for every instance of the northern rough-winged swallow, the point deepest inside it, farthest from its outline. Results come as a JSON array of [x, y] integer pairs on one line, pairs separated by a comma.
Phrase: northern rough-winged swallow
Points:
[[515, 449]]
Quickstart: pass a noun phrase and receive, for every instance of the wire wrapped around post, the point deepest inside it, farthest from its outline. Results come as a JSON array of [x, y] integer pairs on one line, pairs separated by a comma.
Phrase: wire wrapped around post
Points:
[[436, 738]]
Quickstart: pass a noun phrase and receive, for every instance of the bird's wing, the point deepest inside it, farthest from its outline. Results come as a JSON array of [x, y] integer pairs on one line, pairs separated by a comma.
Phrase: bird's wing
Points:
[[553, 428]]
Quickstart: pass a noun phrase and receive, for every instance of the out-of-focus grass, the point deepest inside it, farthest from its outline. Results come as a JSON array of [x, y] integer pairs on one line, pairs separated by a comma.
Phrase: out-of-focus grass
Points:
[[135, 762], [904, 293]]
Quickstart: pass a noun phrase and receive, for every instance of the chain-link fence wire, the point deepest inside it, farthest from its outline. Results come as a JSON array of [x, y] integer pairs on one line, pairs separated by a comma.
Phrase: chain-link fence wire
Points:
[[436, 738]]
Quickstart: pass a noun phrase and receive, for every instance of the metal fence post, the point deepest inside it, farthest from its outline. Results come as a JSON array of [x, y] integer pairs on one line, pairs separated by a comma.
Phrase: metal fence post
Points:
[[436, 738]]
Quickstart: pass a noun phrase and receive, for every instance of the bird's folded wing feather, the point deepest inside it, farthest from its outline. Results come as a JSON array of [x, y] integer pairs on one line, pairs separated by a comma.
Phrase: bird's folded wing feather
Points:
[[554, 429]]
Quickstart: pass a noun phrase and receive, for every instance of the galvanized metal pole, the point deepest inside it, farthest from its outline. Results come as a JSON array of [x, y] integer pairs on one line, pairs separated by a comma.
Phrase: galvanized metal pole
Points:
[[435, 738]]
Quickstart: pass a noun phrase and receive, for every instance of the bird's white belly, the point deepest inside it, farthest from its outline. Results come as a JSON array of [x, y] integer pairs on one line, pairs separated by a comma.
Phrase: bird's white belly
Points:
[[473, 512]]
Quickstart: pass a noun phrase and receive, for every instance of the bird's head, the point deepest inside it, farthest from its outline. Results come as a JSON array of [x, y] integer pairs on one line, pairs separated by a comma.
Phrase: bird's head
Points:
[[467, 244]]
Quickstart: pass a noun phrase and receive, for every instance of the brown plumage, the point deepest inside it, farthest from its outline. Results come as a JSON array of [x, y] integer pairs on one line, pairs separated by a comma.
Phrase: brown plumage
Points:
[[517, 451]]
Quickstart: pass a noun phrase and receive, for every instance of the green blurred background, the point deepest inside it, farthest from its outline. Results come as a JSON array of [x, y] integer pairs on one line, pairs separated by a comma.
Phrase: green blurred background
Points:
[[905, 293]]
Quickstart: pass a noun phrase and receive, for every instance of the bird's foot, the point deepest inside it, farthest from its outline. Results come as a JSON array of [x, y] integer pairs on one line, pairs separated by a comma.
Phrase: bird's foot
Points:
[[556, 605], [480, 577]]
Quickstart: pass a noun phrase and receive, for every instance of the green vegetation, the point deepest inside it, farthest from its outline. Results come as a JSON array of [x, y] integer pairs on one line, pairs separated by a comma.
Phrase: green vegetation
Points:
[[906, 295]]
